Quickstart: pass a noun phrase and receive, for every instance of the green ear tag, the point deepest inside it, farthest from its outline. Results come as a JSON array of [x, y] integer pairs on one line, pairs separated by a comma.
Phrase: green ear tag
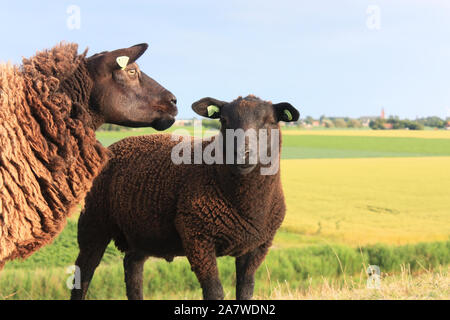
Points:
[[288, 114], [212, 109], [122, 61]]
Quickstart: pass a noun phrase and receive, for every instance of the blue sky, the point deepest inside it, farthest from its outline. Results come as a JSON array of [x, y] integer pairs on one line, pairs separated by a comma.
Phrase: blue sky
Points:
[[318, 55]]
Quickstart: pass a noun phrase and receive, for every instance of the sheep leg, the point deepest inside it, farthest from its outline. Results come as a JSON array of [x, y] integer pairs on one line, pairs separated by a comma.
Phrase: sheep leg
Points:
[[92, 241], [88, 259], [133, 264], [211, 286], [202, 257], [246, 267]]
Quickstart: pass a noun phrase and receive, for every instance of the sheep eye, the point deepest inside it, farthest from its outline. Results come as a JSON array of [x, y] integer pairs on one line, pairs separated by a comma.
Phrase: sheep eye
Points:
[[132, 72]]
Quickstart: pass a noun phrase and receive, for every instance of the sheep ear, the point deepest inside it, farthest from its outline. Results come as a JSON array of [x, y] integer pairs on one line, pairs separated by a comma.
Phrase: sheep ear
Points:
[[108, 61], [286, 112], [133, 53], [208, 107]]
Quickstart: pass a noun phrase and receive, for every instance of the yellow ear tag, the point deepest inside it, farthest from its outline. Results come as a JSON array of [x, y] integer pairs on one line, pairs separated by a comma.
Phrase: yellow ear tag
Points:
[[288, 114], [212, 109], [122, 61]]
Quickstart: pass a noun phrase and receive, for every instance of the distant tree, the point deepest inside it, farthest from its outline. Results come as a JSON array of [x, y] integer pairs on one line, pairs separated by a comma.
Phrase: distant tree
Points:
[[396, 122], [354, 123], [113, 127], [377, 124], [434, 122], [214, 124], [414, 125], [328, 123], [340, 123], [309, 120]]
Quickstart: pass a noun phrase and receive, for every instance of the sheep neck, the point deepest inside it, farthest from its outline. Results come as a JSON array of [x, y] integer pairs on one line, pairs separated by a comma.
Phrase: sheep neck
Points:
[[238, 189], [78, 87]]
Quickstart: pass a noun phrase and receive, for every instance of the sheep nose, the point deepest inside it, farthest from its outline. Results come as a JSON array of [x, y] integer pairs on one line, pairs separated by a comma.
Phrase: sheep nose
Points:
[[169, 98], [172, 99]]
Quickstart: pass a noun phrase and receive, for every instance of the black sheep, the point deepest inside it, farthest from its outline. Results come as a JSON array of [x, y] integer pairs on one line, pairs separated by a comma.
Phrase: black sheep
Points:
[[151, 206]]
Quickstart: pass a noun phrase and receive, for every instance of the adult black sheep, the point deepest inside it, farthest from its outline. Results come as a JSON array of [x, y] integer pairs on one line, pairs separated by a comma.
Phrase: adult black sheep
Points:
[[49, 109]]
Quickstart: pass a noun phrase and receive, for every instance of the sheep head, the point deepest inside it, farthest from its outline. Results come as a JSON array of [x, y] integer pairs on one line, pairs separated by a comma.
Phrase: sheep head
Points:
[[245, 123], [123, 94]]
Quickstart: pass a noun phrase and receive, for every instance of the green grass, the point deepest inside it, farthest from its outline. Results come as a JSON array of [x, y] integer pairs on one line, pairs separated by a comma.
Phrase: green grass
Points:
[[328, 146], [62, 252], [299, 267], [43, 275], [109, 137], [338, 195], [315, 146]]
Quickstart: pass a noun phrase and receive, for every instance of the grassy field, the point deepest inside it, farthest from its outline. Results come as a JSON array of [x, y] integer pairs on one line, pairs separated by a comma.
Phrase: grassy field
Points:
[[331, 147], [108, 284], [405, 285], [354, 198], [423, 134], [314, 144], [44, 275]]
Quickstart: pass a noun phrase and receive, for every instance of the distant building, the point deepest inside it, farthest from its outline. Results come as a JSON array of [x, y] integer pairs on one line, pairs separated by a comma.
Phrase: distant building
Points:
[[182, 123], [447, 125], [178, 123], [382, 116], [197, 122], [365, 120], [388, 125], [365, 123]]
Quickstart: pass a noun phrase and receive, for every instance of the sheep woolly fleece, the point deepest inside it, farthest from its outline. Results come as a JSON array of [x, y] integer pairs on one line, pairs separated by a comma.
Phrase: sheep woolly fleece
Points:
[[143, 201], [48, 151]]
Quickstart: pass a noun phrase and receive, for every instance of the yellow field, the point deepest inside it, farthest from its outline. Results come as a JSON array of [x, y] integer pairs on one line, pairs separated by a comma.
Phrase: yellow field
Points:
[[365, 201], [425, 134]]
